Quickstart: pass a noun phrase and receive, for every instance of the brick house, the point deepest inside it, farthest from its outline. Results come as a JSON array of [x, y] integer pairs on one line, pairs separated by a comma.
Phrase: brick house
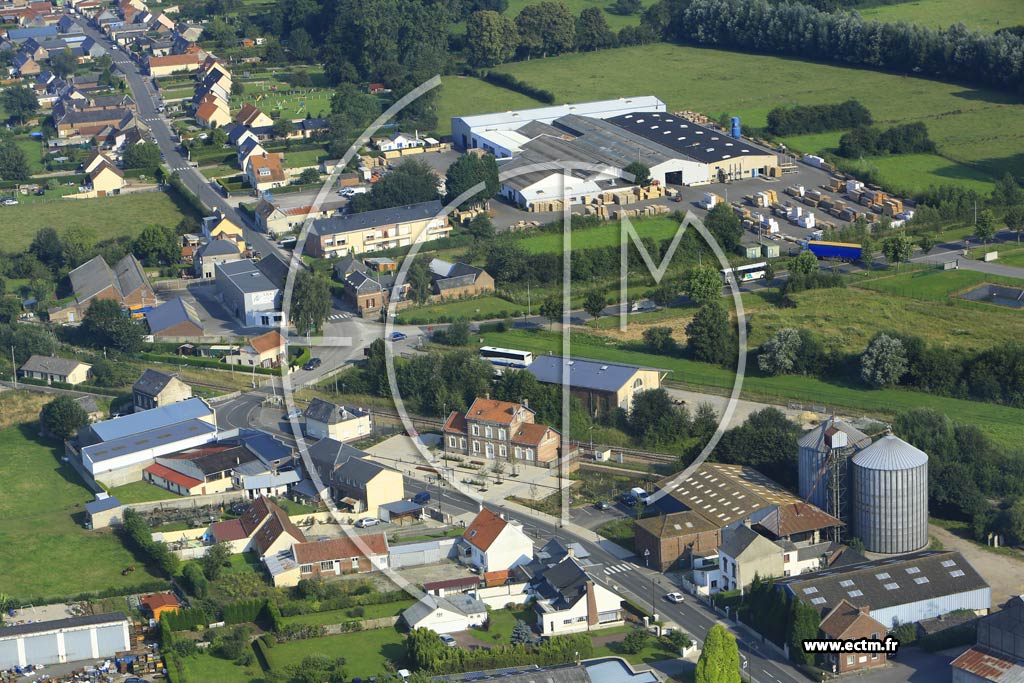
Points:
[[674, 539], [500, 430], [342, 556], [848, 622], [458, 280]]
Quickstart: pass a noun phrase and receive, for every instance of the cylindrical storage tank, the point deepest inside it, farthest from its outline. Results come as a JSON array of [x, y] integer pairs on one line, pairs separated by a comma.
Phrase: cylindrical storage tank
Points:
[[812, 453], [889, 502], [735, 126]]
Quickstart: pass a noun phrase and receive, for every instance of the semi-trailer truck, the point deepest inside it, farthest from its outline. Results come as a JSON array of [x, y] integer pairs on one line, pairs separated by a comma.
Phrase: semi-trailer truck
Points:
[[843, 251]]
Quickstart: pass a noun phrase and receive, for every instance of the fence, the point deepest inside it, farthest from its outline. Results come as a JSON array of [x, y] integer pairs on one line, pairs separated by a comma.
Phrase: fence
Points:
[[365, 625]]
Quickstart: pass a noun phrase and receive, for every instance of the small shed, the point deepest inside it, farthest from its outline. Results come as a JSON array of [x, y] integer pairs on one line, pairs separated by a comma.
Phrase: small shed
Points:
[[401, 511], [770, 250], [749, 250]]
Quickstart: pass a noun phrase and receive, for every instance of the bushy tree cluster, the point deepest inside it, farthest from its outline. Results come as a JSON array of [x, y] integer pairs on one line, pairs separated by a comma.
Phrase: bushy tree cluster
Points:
[[908, 138], [427, 653], [63, 417], [139, 537], [818, 118], [412, 182], [766, 441]]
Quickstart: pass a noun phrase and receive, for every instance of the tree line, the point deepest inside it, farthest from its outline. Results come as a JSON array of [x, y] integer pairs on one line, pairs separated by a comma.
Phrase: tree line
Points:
[[954, 54], [818, 118], [426, 652], [908, 138]]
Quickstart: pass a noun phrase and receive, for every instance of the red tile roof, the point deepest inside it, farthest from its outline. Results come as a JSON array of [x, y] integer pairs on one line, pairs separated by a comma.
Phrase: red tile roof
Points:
[[529, 433], [228, 530], [167, 474], [267, 342], [341, 548], [484, 529], [277, 525], [841, 619], [498, 578], [489, 410], [157, 600], [456, 423], [173, 60], [463, 582]]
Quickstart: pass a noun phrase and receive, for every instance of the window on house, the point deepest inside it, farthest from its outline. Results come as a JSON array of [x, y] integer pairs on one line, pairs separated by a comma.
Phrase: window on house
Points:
[[306, 568], [638, 382], [490, 450], [451, 441], [849, 660], [476, 446], [529, 454], [581, 618], [462, 442], [327, 565], [501, 434], [502, 451], [785, 558], [874, 656], [476, 430], [519, 452], [488, 433], [567, 622]]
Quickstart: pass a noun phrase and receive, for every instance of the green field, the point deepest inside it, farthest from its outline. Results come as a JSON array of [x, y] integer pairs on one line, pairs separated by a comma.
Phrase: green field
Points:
[[205, 667], [606, 235], [103, 218], [615, 21], [288, 101], [464, 96], [915, 172], [366, 652], [939, 285], [471, 309], [141, 492], [47, 551], [981, 15], [973, 127], [1000, 422]]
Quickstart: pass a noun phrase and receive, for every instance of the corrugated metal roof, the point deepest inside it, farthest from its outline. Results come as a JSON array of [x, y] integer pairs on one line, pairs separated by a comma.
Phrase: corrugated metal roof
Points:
[[990, 665], [138, 441], [57, 624], [380, 218], [815, 438], [584, 373], [600, 108], [156, 418], [890, 453]]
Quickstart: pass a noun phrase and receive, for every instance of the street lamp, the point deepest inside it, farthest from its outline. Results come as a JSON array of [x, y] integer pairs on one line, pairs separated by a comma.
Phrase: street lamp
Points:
[[647, 556]]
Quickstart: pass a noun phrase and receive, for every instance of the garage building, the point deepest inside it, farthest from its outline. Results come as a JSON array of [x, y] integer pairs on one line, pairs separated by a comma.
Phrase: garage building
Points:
[[92, 637]]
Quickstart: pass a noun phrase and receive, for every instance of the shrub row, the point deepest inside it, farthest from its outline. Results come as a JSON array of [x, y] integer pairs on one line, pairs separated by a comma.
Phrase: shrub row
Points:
[[512, 83]]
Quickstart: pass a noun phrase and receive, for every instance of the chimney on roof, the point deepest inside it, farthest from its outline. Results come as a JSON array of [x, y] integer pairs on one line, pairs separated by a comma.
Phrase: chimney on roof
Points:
[[526, 403], [866, 609]]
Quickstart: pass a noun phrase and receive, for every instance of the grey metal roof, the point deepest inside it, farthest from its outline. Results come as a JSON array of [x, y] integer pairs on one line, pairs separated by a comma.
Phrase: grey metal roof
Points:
[[584, 373], [921, 576], [57, 624], [686, 137], [329, 413], [428, 604], [890, 453], [102, 505], [510, 120], [53, 365], [373, 219], [91, 278], [175, 311], [156, 418], [401, 507], [264, 445], [333, 453], [245, 276], [270, 480], [275, 268], [152, 382], [360, 470], [151, 438], [815, 438], [614, 144], [217, 248]]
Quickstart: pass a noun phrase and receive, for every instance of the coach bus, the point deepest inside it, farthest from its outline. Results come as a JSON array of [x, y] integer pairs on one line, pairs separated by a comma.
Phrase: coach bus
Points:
[[753, 271], [505, 358]]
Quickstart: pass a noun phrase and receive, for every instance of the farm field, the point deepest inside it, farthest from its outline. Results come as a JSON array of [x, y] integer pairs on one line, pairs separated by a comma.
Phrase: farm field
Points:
[[606, 235], [939, 285], [979, 15], [42, 508], [972, 127], [465, 96], [206, 667], [102, 218], [615, 21]]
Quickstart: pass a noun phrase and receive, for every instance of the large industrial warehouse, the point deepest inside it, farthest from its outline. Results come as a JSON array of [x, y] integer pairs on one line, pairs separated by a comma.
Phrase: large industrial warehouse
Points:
[[95, 636], [901, 590], [575, 152]]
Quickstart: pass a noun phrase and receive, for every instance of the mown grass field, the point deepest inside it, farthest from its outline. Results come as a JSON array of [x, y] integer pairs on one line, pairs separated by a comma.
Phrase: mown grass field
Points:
[[972, 127], [465, 96], [366, 652], [47, 551], [141, 492], [606, 235], [979, 15], [340, 616], [940, 285], [102, 218]]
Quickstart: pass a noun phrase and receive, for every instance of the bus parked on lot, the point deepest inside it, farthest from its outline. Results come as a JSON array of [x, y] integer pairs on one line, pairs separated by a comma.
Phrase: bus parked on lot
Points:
[[505, 358]]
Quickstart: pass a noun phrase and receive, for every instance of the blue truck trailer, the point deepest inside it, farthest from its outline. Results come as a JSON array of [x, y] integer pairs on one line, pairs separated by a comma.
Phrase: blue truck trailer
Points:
[[834, 250]]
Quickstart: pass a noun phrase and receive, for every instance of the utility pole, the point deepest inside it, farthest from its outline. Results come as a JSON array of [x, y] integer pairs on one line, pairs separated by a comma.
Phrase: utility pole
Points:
[[14, 368]]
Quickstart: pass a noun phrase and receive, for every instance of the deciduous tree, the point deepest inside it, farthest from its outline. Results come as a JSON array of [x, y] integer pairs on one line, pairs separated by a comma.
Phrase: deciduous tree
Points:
[[311, 301], [884, 361], [709, 336], [63, 417], [491, 39], [704, 285]]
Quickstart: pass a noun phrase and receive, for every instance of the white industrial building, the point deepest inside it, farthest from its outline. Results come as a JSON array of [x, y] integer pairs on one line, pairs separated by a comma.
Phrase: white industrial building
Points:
[[499, 133], [92, 637], [572, 153]]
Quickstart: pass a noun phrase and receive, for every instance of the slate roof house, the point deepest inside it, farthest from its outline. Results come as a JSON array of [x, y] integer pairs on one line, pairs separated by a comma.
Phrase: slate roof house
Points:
[[154, 389], [52, 369], [458, 280], [600, 385], [568, 600], [357, 483], [264, 527], [125, 283], [327, 420], [449, 614]]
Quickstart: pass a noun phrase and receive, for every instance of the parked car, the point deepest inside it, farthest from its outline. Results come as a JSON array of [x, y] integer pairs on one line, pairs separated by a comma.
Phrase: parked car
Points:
[[398, 336], [312, 364], [674, 598], [447, 640], [421, 498], [293, 414], [603, 505], [7, 201], [628, 499], [367, 522]]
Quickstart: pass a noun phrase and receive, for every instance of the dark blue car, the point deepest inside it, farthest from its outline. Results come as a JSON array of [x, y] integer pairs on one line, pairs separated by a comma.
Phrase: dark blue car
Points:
[[421, 498]]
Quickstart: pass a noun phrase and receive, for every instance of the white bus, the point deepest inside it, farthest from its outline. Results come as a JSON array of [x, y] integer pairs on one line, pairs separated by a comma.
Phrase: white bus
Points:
[[505, 358], [753, 271]]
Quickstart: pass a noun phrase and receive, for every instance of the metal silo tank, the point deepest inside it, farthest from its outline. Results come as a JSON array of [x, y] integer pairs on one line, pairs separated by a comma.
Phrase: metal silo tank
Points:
[[889, 505]]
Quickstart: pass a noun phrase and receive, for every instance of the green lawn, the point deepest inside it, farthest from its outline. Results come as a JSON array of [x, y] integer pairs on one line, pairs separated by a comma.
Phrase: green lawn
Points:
[[340, 616], [103, 218], [502, 621], [652, 652], [1002, 423], [464, 96], [615, 21], [33, 153], [205, 667], [366, 652], [939, 285], [287, 102], [983, 15], [915, 172], [606, 235], [306, 157], [973, 127], [293, 508], [47, 552], [471, 309], [620, 531], [141, 492]]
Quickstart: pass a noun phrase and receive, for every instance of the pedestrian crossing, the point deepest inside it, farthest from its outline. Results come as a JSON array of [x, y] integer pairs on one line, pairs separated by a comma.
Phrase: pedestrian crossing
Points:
[[180, 168], [339, 316], [616, 568]]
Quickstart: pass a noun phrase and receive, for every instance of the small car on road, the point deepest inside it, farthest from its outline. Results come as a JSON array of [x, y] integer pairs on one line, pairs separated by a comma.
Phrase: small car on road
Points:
[[398, 336], [312, 364], [367, 522], [603, 505], [674, 598], [293, 414]]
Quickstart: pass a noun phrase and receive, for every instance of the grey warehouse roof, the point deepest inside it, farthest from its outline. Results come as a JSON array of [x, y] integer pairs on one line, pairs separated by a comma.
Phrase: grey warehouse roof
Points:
[[159, 436], [373, 219], [921, 576], [102, 505], [218, 248], [686, 137], [57, 624], [890, 453], [156, 418], [246, 277], [584, 373]]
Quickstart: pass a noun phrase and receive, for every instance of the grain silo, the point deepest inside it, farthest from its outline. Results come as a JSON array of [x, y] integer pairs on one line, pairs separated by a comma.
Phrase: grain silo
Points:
[[889, 501], [822, 464]]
